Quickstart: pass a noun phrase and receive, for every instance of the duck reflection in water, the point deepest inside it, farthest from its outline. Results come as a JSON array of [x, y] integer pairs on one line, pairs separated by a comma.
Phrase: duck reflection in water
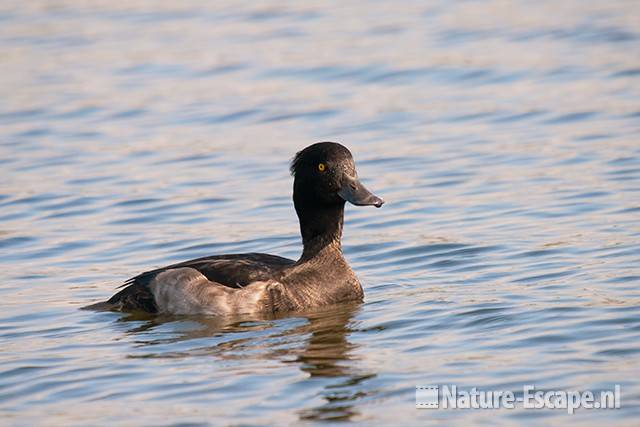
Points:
[[326, 352]]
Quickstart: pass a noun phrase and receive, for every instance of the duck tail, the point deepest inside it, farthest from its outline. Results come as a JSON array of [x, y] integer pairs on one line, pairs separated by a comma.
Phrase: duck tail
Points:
[[100, 306]]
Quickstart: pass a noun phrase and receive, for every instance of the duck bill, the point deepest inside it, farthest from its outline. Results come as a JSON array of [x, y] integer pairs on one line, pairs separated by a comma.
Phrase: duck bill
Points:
[[354, 192]]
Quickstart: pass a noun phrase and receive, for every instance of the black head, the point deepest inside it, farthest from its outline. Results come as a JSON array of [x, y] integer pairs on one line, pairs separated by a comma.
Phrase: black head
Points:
[[325, 175]]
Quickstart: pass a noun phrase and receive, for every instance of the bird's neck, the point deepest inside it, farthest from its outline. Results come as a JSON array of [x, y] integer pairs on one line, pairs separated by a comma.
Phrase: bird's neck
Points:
[[321, 229]]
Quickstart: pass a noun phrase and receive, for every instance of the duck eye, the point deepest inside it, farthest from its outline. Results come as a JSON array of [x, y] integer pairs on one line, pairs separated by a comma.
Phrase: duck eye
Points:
[[321, 167]]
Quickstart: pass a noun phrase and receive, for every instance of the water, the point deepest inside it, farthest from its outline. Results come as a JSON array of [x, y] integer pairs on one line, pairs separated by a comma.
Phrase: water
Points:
[[504, 137]]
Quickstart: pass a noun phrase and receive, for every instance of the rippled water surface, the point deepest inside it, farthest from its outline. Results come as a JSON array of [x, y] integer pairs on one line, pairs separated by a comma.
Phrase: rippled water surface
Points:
[[503, 135]]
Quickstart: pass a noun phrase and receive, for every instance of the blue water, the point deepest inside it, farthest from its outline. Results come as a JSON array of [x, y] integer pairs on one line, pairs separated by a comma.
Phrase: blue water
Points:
[[504, 137]]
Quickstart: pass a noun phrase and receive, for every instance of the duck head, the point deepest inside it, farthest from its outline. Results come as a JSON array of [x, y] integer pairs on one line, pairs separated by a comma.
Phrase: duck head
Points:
[[325, 178], [325, 174]]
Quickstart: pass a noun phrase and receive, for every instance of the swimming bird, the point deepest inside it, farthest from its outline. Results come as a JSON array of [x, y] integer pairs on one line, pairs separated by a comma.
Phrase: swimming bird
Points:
[[325, 178]]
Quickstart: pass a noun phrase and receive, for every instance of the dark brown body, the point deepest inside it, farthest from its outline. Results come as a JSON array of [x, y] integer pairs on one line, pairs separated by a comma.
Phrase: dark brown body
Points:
[[325, 178]]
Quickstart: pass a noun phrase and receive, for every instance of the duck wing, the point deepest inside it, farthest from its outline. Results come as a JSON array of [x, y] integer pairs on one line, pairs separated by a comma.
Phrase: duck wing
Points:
[[224, 271], [234, 271]]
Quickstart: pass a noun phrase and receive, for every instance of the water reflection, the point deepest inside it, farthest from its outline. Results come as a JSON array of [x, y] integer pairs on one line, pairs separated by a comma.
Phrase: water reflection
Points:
[[316, 342], [329, 353]]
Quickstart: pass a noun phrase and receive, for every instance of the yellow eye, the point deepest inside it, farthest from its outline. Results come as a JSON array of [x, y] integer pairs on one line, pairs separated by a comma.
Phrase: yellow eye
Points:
[[321, 167]]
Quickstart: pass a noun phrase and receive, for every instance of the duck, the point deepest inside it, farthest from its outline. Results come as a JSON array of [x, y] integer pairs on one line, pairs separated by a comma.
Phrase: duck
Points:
[[324, 179]]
